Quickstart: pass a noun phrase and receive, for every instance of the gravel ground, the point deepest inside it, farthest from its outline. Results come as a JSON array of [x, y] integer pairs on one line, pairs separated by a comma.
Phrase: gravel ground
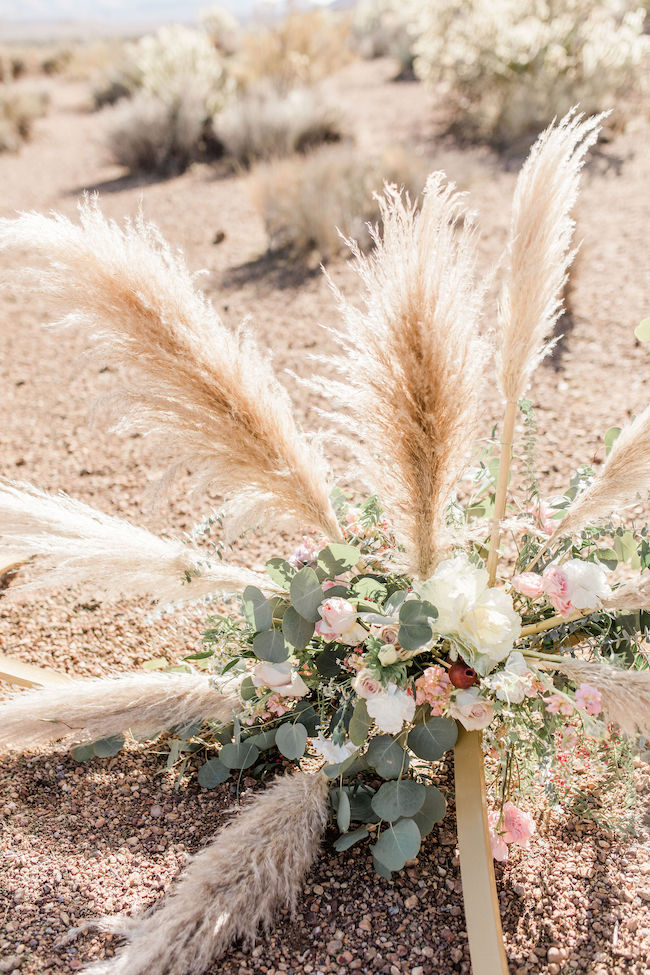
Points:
[[79, 841]]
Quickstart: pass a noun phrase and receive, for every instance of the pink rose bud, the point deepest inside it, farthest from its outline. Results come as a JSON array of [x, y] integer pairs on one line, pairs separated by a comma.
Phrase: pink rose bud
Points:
[[556, 587], [529, 584]]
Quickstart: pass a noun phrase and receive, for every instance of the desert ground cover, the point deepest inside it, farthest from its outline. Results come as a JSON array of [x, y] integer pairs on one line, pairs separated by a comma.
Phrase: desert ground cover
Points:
[[82, 840]]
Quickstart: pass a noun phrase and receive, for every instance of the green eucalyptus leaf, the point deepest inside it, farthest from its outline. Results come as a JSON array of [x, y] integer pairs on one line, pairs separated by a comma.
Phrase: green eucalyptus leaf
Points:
[[394, 602], [307, 715], [270, 646], [381, 869], [360, 723], [343, 811], [370, 589], [296, 629], [328, 662], [387, 757], [280, 572], [338, 558], [291, 740], [213, 773], [263, 739], [611, 437], [239, 756], [414, 629], [432, 739], [306, 594], [393, 800], [397, 844], [347, 840], [108, 747], [83, 753], [257, 609], [642, 331], [432, 811], [247, 689]]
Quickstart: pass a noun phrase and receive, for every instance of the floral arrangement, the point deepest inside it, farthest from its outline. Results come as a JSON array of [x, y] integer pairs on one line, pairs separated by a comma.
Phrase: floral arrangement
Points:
[[384, 636]]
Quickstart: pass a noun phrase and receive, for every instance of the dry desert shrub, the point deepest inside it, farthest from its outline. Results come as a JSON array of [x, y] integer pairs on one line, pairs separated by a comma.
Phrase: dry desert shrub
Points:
[[386, 28], [176, 82], [221, 26], [511, 66], [265, 123], [301, 50], [307, 203], [18, 111]]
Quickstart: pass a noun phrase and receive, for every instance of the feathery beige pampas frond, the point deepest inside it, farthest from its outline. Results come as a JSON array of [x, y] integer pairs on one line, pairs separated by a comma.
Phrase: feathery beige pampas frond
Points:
[[256, 866], [539, 248], [634, 594], [625, 694], [207, 390], [413, 363], [87, 710], [76, 545], [625, 473]]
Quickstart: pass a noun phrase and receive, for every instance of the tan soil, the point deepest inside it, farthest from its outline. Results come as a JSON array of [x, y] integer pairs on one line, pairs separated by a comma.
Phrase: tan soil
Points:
[[79, 841]]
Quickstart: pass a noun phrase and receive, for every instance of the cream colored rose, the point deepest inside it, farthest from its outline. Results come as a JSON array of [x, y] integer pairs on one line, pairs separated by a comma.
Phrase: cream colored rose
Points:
[[281, 678], [472, 711], [365, 684]]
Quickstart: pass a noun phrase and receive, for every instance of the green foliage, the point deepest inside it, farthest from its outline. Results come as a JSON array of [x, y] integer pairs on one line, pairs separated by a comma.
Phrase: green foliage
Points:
[[433, 738]]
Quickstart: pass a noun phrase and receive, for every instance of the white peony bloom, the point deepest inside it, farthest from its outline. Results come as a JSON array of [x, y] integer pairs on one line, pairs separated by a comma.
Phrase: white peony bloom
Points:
[[391, 709], [512, 683], [332, 753], [472, 711], [281, 678], [481, 619], [586, 583]]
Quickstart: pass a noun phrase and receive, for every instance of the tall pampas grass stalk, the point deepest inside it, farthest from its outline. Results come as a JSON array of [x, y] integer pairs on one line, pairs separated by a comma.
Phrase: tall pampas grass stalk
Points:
[[239, 883], [76, 545], [207, 390], [87, 710], [632, 595], [539, 257], [625, 694], [413, 363]]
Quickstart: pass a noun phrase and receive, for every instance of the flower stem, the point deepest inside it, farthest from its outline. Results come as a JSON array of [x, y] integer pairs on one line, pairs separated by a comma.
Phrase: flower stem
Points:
[[554, 621], [505, 459]]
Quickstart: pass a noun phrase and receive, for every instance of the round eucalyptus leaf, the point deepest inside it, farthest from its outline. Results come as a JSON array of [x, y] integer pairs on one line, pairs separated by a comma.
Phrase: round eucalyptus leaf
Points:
[[433, 810], [83, 753], [213, 773], [306, 594], [336, 558], [239, 756], [107, 747], [270, 646], [247, 688], [360, 723], [280, 572], [296, 629], [381, 869], [397, 844], [291, 740], [401, 798], [343, 811], [432, 739], [263, 740], [387, 757], [256, 609], [349, 839]]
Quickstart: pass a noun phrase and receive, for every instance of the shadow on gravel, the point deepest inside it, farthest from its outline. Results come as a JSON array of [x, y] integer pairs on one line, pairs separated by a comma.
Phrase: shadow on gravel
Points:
[[129, 181], [276, 269]]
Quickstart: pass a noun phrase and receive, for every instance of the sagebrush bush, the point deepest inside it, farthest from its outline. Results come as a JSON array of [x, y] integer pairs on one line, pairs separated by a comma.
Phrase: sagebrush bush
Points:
[[511, 66], [264, 123], [176, 82], [386, 28], [302, 49], [306, 201], [18, 111]]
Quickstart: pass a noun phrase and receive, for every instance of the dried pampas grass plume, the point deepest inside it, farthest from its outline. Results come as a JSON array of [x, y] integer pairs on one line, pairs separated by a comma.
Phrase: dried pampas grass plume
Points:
[[632, 595], [87, 710], [256, 866], [76, 545], [413, 363], [625, 473], [207, 390], [625, 694], [539, 248]]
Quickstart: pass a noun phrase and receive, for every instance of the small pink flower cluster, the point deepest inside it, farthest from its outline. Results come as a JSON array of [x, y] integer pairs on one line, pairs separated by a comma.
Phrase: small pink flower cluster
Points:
[[306, 552], [587, 698], [434, 688], [518, 827]]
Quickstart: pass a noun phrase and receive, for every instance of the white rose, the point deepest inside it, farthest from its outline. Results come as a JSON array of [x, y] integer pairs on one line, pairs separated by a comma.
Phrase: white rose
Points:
[[512, 683], [391, 709], [332, 753], [481, 618], [473, 712], [281, 678], [586, 583], [365, 684], [388, 655]]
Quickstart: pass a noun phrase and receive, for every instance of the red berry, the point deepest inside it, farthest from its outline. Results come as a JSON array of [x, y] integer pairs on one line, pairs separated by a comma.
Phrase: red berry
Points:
[[461, 675]]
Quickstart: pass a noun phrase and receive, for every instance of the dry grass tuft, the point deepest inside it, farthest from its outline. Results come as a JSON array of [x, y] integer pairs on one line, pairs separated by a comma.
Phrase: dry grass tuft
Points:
[[254, 867], [413, 364], [266, 124], [19, 109], [76, 545], [89, 710], [208, 391], [305, 202]]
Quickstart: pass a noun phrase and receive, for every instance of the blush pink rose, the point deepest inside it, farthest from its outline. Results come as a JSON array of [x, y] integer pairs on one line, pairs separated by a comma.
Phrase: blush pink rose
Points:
[[519, 826], [497, 842], [556, 587], [588, 699], [339, 622], [529, 584], [557, 704], [366, 685]]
